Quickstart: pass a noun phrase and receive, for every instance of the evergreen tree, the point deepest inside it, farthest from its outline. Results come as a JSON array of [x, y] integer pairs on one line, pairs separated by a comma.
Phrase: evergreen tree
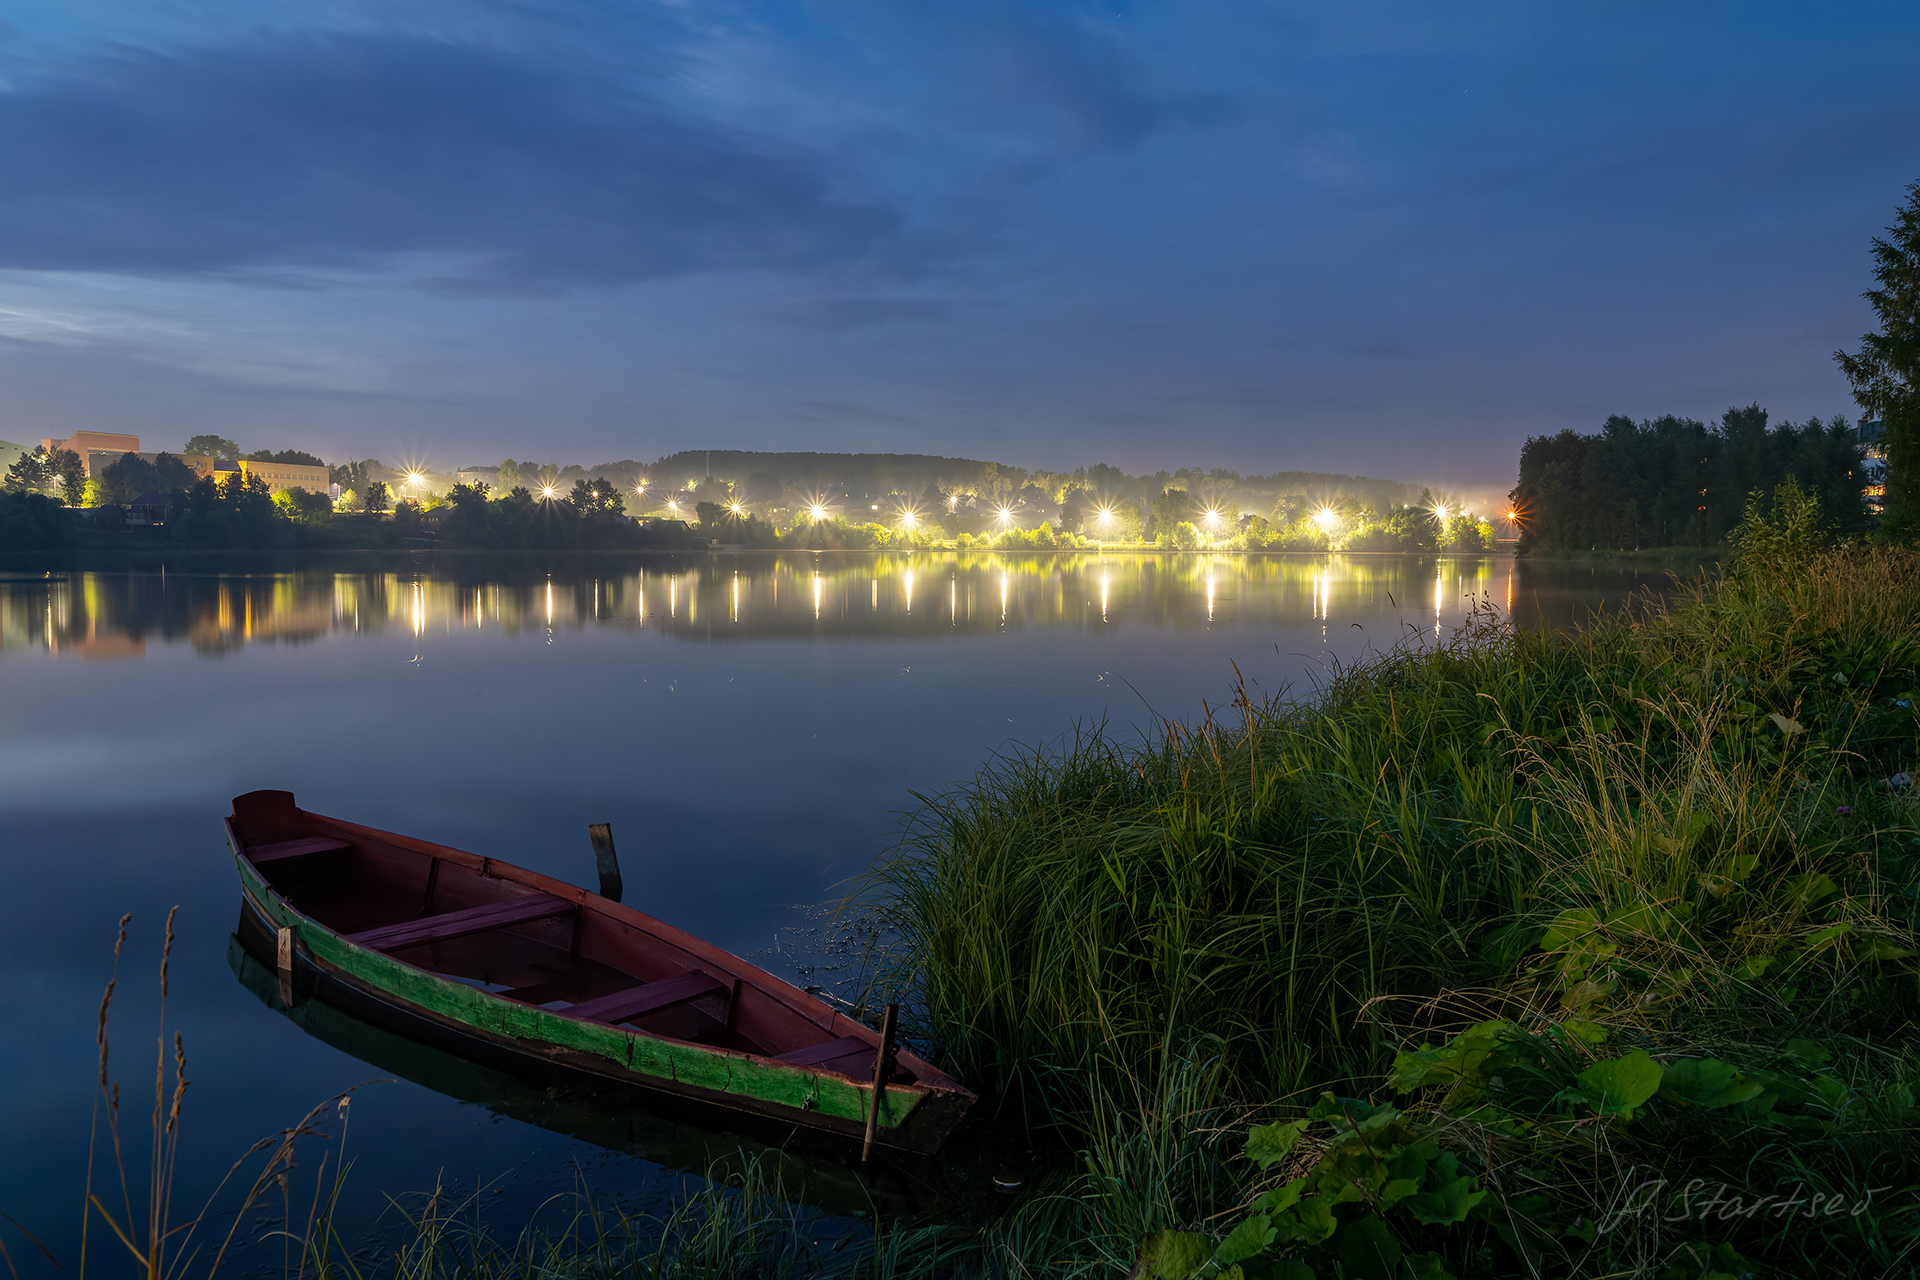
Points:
[[1885, 373]]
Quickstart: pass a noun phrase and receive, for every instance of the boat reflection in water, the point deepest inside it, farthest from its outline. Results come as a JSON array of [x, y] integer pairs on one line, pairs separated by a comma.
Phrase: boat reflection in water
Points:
[[803, 1176], [758, 596]]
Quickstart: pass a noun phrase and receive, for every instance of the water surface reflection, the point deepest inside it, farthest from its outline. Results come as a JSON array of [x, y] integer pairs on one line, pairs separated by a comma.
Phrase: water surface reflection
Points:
[[106, 615]]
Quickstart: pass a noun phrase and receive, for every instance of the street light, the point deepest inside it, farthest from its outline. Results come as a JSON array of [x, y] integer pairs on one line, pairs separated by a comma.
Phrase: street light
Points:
[[547, 491], [1213, 517], [817, 511], [1326, 518]]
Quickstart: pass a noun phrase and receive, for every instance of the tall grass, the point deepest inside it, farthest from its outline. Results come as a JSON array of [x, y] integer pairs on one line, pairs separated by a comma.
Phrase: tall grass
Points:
[[1684, 826]]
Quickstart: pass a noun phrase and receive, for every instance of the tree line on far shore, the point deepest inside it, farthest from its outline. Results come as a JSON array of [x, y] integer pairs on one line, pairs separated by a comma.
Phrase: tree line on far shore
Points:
[[1674, 481]]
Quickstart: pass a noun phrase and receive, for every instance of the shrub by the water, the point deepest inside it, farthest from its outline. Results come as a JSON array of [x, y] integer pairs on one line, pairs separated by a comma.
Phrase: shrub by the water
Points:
[[33, 522]]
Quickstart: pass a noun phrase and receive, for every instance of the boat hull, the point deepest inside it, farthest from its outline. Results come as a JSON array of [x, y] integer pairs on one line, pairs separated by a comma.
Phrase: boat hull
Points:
[[599, 1108], [715, 1086]]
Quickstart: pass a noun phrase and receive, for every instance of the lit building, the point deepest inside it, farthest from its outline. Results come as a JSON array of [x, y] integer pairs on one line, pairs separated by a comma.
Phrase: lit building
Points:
[[108, 444], [101, 449], [278, 475], [1874, 466]]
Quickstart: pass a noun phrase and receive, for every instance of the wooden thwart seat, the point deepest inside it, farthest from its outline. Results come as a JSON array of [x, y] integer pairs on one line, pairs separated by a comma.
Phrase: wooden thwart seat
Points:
[[458, 924], [260, 853], [815, 1054], [648, 997]]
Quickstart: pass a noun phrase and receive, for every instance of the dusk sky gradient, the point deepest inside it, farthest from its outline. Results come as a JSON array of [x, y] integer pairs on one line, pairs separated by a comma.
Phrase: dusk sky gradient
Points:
[[1392, 238]]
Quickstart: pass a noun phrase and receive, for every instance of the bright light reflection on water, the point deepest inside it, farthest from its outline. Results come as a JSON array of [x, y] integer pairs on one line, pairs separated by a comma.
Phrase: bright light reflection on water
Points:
[[101, 614]]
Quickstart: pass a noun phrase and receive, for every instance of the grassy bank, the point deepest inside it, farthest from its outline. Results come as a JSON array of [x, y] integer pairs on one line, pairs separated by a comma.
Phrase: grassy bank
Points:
[[1682, 833]]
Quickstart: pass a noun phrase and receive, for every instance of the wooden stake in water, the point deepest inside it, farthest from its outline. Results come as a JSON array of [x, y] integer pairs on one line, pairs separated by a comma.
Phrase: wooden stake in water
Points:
[[605, 860], [285, 966], [882, 1068]]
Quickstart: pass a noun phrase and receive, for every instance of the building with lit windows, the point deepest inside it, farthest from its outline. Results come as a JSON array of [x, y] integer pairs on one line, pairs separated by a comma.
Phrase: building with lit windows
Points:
[[1874, 466], [278, 475]]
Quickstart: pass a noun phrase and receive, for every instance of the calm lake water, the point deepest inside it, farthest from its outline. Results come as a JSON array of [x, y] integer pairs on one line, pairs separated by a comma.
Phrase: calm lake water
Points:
[[751, 725]]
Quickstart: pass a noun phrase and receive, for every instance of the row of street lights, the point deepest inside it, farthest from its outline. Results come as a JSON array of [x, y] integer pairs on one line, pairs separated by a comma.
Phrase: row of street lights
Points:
[[1326, 517]]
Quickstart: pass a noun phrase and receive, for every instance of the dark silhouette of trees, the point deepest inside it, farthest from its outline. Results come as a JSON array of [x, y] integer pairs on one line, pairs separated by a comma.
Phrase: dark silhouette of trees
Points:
[[33, 522], [66, 466], [597, 498], [233, 511], [292, 457], [1674, 481], [129, 476], [30, 472], [213, 447]]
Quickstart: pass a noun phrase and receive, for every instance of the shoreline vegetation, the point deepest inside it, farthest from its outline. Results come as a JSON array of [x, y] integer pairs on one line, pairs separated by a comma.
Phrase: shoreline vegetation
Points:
[[1527, 954], [45, 504], [258, 522]]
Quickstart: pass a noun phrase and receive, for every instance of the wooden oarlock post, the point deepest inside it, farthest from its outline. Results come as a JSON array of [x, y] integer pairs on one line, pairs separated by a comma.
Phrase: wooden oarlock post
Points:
[[284, 964], [882, 1068], [604, 859]]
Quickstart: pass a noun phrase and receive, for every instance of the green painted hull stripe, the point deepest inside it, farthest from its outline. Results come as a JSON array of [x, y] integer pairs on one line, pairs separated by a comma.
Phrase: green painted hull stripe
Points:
[[674, 1062]]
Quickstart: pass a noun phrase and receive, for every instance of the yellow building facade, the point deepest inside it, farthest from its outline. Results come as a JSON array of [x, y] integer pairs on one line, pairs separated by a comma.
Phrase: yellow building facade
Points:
[[278, 475]]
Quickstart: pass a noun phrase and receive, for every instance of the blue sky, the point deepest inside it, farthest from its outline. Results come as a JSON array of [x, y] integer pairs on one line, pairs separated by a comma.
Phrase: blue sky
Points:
[[1393, 239]]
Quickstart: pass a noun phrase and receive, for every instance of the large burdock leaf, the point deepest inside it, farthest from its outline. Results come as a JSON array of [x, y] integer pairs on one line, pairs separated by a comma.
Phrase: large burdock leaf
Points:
[[1309, 1222], [1615, 1087], [1244, 1241], [1459, 1060], [1707, 1082]]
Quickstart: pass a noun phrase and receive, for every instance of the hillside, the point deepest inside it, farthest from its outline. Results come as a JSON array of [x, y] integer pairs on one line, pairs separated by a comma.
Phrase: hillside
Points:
[[869, 476]]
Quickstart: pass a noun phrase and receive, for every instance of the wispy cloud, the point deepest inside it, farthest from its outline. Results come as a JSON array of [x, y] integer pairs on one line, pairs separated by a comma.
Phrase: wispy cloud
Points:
[[335, 150]]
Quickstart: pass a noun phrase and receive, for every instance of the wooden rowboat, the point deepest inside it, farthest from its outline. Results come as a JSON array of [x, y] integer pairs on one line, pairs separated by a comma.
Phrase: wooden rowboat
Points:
[[557, 984]]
